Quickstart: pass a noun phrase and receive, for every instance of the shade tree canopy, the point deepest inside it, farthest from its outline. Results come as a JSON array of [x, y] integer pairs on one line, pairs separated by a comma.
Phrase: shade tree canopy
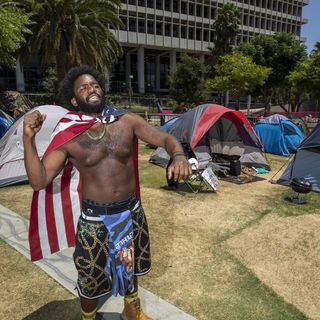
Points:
[[238, 74], [186, 83], [281, 52], [306, 76], [13, 29]]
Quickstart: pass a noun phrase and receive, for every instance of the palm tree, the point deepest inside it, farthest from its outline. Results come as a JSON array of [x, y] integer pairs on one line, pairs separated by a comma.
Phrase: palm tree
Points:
[[67, 33], [226, 28]]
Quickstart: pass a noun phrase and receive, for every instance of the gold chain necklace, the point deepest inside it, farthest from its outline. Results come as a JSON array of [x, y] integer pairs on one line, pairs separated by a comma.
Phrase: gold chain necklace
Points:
[[99, 136]]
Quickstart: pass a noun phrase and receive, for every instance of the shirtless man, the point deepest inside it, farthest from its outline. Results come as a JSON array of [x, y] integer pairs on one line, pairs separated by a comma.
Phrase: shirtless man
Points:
[[104, 156]]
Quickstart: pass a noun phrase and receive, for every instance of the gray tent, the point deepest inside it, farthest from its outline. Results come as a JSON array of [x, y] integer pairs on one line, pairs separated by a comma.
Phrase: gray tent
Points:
[[305, 163], [12, 168]]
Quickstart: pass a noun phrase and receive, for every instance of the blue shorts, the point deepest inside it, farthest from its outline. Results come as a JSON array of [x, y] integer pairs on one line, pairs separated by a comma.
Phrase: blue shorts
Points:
[[92, 246]]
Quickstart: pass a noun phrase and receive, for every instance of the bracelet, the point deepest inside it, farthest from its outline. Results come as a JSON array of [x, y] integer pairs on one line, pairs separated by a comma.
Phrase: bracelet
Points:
[[178, 154]]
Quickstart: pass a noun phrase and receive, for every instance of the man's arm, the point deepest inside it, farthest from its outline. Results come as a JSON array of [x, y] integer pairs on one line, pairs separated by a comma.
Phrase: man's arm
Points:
[[40, 173], [179, 168]]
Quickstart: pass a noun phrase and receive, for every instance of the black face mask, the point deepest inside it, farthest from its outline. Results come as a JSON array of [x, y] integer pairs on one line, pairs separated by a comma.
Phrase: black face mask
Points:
[[89, 108]]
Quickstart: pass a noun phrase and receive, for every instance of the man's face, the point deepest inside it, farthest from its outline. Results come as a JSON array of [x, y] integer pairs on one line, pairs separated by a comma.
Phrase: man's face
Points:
[[88, 94]]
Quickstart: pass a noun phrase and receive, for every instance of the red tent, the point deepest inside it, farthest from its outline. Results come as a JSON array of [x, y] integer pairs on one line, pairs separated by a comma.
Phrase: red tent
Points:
[[216, 131]]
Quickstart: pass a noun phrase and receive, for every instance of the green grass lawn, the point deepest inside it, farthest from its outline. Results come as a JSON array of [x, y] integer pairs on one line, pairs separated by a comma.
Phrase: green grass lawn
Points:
[[219, 256]]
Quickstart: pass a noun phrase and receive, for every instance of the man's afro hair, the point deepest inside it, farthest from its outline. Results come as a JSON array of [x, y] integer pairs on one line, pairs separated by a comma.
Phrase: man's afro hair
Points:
[[66, 91]]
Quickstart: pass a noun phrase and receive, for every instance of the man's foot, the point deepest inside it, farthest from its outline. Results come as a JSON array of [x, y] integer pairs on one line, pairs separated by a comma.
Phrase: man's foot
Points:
[[133, 311]]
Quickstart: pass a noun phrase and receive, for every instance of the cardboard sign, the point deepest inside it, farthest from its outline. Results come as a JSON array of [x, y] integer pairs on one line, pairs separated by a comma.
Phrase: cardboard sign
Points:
[[210, 177]]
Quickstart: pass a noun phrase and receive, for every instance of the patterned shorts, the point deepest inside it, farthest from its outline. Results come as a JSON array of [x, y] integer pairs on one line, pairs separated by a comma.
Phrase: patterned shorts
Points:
[[92, 247]]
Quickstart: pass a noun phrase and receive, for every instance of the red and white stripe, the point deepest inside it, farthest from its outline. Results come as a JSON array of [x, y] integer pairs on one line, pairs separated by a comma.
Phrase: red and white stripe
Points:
[[55, 210]]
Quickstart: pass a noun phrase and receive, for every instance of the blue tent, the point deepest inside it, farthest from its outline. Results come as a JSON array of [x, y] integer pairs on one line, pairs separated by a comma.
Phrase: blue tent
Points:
[[4, 126], [168, 124], [279, 135]]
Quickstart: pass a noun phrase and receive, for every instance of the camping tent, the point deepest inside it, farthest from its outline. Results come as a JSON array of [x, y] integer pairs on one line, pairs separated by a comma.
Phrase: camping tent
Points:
[[4, 126], [278, 134], [12, 168], [215, 130], [305, 163]]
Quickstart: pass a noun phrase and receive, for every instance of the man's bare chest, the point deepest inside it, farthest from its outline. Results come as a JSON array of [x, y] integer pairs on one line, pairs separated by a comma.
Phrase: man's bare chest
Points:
[[92, 147]]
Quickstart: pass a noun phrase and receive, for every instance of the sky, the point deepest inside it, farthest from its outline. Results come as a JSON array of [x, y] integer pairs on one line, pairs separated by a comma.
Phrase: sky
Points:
[[311, 30]]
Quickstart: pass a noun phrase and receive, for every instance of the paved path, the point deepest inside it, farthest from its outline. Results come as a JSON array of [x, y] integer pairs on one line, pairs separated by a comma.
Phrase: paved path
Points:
[[14, 230]]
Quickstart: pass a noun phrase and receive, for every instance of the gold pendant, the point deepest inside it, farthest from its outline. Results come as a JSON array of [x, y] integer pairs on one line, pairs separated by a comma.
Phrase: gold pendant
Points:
[[99, 136]]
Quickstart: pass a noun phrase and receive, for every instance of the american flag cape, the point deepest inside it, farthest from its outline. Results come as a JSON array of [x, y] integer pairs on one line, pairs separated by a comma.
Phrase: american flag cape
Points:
[[55, 210]]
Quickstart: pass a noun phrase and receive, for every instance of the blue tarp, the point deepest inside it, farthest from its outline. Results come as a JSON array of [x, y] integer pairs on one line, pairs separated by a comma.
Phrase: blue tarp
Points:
[[279, 135]]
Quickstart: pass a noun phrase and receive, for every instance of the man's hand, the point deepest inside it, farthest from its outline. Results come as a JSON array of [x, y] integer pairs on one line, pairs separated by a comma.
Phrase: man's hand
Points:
[[179, 168], [32, 123]]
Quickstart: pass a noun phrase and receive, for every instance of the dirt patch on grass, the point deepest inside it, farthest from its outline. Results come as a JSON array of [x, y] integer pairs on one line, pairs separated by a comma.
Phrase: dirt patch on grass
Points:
[[284, 253]]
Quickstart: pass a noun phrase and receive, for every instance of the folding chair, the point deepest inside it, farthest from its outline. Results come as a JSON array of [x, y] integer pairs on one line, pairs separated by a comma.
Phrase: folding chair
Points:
[[202, 178]]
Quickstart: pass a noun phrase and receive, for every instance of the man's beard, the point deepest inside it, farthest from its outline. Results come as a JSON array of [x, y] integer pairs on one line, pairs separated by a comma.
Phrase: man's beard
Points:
[[89, 108]]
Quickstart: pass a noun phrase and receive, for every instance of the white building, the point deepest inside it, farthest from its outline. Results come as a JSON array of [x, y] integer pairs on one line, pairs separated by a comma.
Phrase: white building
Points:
[[155, 32]]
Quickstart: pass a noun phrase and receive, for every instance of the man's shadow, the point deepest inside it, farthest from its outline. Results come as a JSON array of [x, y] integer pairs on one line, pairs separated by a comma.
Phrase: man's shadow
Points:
[[66, 310]]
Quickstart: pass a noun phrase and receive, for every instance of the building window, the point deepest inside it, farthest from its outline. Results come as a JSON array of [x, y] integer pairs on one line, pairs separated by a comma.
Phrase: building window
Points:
[[150, 27], [198, 34], [183, 7], [205, 35], [257, 24], [132, 25], [124, 21], [167, 5], [159, 4], [269, 4], [245, 19], [175, 31], [278, 26], [141, 3], [213, 12], [183, 32], [167, 29], [159, 28], [150, 4], [206, 12], [274, 6], [212, 36], [268, 24], [141, 26], [199, 10], [175, 6], [190, 33], [132, 2], [191, 9], [251, 21]]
